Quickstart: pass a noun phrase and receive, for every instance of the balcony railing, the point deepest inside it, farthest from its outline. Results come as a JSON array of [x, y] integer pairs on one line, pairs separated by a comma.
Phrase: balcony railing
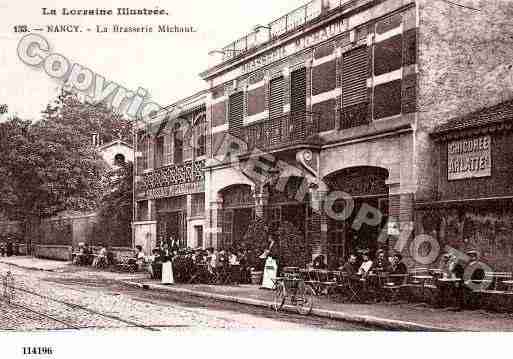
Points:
[[282, 25], [284, 131], [188, 172], [278, 27]]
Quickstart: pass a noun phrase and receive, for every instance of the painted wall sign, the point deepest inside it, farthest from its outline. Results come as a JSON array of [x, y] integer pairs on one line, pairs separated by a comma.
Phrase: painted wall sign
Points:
[[301, 43], [469, 158]]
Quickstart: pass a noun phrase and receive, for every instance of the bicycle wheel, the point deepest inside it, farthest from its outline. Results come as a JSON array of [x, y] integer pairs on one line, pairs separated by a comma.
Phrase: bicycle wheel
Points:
[[279, 296], [304, 299]]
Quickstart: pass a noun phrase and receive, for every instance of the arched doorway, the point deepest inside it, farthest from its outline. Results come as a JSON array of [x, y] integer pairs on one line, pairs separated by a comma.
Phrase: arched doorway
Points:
[[289, 204], [369, 192], [236, 214]]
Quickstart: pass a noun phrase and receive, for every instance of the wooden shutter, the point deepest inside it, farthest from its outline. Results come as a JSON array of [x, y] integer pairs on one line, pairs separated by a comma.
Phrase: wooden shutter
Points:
[[354, 77], [298, 91], [355, 95], [297, 104], [236, 113], [276, 97]]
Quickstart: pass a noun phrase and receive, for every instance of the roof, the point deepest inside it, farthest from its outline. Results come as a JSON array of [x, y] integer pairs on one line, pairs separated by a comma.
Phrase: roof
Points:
[[113, 143], [500, 113]]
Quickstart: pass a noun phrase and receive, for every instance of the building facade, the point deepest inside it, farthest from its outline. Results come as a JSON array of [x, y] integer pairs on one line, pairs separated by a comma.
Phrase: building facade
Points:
[[473, 207], [170, 186], [334, 100]]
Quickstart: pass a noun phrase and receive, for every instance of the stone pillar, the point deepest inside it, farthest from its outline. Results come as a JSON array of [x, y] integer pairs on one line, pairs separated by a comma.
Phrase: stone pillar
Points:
[[400, 226], [261, 200], [152, 210], [318, 224], [188, 206], [214, 235]]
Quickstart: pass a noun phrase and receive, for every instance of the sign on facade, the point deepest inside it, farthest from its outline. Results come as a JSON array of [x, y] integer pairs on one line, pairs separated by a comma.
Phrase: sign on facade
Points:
[[469, 158]]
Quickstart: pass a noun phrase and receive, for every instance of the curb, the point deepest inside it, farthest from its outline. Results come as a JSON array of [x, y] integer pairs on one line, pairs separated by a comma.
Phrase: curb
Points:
[[389, 324]]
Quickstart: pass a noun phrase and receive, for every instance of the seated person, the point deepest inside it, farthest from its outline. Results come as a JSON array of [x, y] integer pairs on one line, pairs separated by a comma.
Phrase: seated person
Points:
[[397, 266], [82, 257], [318, 262], [351, 266], [140, 258], [382, 262], [366, 265], [445, 266], [100, 261], [155, 261]]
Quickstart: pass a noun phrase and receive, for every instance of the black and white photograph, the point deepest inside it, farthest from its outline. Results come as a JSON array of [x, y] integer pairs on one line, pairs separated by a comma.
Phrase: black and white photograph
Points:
[[331, 169]]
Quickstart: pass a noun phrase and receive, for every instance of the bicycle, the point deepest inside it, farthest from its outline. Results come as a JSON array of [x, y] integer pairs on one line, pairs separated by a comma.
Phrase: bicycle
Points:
[[292, 286]]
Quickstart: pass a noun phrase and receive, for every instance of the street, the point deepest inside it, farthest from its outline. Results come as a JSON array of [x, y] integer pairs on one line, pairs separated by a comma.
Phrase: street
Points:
[[88, 300]]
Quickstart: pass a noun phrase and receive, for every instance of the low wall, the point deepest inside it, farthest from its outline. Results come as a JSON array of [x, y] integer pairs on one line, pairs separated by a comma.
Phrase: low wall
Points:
[[119, 252], [62, 253]]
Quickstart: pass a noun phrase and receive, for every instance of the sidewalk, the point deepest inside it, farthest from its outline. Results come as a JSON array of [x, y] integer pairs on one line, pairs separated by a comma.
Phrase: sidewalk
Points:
[[29, 262], [48, 265], [407, 317]]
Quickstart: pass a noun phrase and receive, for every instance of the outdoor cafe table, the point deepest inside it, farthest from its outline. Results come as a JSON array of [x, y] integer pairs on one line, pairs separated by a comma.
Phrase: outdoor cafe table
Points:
[[423, 279], [509, 284]]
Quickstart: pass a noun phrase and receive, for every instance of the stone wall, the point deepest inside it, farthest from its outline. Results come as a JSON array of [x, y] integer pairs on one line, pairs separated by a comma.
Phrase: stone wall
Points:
[[53, 252], [464, 65]]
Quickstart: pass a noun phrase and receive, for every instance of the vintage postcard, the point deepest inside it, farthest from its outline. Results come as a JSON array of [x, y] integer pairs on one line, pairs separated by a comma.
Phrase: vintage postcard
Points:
[[323, 166]]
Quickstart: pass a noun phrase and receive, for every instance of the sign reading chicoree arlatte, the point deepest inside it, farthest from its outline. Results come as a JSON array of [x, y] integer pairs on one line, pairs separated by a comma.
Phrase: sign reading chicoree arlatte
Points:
[[469, 158]]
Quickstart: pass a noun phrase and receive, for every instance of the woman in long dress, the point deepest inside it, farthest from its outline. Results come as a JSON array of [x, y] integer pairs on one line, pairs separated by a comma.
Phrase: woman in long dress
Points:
[[167, 270]]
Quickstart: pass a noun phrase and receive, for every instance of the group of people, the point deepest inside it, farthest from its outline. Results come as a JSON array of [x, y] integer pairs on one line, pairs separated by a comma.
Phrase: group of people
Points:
[[85, 256], [199, 265], [361, 264], [9, 249]]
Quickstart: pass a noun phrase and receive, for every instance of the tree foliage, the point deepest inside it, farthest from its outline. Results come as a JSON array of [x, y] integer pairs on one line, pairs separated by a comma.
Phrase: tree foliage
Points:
[[115, 215], [51, 165]]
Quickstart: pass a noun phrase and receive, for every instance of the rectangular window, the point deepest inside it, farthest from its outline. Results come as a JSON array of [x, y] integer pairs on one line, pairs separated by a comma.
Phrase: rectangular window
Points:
[[201, 145], [159, 152], [256, 101], [387, 99], [142, 211], [276, 99], [199, 236], [388, 55], [142, 161], [178, 147], [324, 77], [198, 204]]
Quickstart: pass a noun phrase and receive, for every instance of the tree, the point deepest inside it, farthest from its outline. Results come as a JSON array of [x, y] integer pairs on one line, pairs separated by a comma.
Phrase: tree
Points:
[[115, 215], [51, 165]]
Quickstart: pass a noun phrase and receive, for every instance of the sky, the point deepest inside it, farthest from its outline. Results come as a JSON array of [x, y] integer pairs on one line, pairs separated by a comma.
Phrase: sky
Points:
[[165, 64]]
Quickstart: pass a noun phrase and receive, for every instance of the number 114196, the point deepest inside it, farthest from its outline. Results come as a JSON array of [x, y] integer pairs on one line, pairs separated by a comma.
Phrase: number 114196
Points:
[[37, 351]]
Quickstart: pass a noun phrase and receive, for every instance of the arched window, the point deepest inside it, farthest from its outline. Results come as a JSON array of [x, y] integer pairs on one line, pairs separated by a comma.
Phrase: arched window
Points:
[[200, 135], [119, 159]]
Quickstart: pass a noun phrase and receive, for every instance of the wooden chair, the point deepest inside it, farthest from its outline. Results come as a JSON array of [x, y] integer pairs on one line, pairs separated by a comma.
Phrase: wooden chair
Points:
[[395, 285], [312, 279]]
